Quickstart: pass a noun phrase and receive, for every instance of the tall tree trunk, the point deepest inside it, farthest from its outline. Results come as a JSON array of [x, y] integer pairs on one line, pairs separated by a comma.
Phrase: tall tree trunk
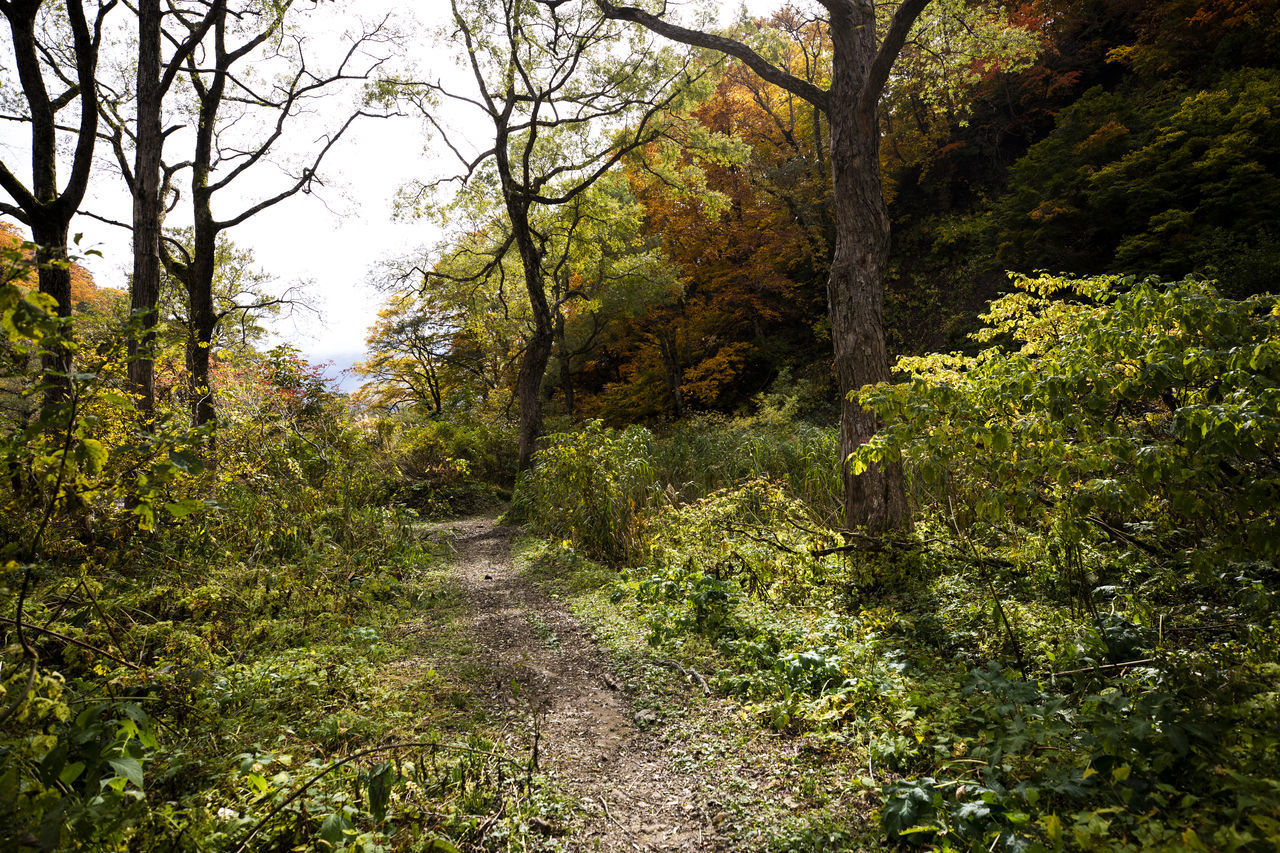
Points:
[[855, 289], [48, 214], [204, 236], [529, 382], [860, 68], [199, 359], [147, 208], [54, 276], [433, 383], [565, 358], [203, 318], [533, 367]]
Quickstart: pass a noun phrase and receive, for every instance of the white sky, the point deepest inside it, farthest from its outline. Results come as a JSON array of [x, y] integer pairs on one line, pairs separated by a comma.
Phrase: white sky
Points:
[[330, 240]]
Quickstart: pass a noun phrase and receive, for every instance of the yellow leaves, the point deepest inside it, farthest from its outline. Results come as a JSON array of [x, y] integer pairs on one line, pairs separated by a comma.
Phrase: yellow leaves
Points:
[[1102, 140], [708, 380], [1053, 827], [1050, 209]]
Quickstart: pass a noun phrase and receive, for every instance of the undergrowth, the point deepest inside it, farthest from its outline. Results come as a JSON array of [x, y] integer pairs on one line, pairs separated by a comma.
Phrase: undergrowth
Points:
[[230, 646], [1078, 646]]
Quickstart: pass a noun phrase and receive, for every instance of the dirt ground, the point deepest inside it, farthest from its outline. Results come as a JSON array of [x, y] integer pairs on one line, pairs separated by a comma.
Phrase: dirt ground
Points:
[[547, 667]]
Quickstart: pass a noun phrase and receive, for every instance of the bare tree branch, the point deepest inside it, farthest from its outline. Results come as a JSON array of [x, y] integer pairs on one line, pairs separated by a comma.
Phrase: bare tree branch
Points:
[[738, 50]]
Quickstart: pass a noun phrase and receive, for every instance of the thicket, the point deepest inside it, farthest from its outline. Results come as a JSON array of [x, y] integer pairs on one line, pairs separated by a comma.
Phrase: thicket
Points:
[[444, 467], [599, 486], [1077, 647], [197, 626]]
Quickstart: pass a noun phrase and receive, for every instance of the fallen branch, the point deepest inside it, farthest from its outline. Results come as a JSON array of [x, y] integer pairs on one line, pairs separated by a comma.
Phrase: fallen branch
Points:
[[1125, 538], [488, 824], [73, 641], [689, 674], [630, 835], [871, 543], [1101, 667], [24, 695], [27, 651]]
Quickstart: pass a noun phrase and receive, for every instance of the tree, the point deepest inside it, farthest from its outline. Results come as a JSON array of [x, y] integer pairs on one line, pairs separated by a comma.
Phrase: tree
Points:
[[44, 207], [153, 78], [606, 271], [860, 66], [408, 346], [454, 328], [220, 158], [242, 297], [565, 107], [751, 250]]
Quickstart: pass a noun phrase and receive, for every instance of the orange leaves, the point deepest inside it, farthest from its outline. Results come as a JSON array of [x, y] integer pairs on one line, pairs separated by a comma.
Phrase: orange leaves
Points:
[[86, 295], [752, 269], [708, 381]]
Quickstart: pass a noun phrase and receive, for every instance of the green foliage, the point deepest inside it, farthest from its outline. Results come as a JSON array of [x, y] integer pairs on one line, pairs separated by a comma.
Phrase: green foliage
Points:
[[590, 486], [1137, 411], [1096, 492], [598, 486], [1030, 769], [200, 625], [449, 467], [1184, 181], [1119, 443], [76, 779]]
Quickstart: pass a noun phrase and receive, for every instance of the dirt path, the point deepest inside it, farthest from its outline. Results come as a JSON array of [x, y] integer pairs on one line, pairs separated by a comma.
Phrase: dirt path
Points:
[[632, 797]]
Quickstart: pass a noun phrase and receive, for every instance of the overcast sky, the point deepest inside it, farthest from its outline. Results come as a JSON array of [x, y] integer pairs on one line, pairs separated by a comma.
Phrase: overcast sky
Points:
[[331, 240]]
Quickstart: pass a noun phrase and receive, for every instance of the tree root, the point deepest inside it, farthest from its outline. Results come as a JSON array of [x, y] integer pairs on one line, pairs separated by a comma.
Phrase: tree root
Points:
[[690, 674]]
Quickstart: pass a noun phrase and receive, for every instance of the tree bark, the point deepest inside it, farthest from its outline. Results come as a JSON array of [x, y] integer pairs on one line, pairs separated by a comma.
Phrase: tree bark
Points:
[[538, 348], [44, 208], [49, 233], [147, 208], [204, 321], [855, 290], [860, 68], [199, 273], [566, 362], [669, 348]]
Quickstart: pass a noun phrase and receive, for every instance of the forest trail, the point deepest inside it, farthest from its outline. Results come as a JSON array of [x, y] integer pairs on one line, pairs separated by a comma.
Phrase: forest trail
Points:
[[545, 664]]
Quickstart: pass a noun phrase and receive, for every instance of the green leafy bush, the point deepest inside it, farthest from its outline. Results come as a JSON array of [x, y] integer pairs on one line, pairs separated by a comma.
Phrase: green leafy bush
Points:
[[453, 468], [1140, 412], [591, 486]]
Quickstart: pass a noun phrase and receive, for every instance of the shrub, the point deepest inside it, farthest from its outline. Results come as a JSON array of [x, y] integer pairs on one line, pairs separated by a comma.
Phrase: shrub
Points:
[[1140, 412], [591, 486]]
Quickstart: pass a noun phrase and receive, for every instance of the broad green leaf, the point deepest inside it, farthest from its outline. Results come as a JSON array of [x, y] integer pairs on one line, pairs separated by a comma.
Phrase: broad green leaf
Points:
[[440, 845], [129, 768], [185, 507], [93, 454]]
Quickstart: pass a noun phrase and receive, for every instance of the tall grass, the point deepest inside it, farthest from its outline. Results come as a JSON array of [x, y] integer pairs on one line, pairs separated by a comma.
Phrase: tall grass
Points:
[[708, 454], [596, 486]]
